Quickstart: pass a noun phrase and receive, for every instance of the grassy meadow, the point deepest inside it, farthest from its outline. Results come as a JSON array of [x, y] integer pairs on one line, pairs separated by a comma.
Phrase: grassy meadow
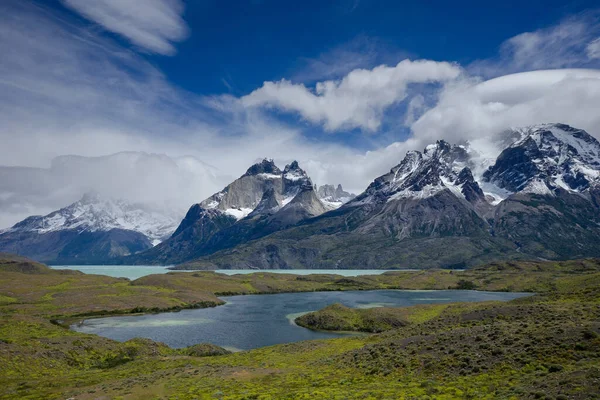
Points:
[[546, 346]]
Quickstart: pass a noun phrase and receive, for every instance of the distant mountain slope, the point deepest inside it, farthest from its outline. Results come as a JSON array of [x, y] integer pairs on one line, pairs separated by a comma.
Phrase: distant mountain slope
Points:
[[91, 230], [540, 200]]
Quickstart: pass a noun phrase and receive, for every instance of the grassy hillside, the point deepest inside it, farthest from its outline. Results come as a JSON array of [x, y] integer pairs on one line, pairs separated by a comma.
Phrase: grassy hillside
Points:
[[544, 346]]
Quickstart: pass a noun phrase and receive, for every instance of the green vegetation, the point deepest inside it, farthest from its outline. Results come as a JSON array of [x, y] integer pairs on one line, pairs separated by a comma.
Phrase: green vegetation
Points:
[[543, 346], [338, 317]]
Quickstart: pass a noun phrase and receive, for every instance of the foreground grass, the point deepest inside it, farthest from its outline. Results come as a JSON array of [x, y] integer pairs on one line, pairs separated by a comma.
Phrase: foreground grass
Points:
[[544, 346]]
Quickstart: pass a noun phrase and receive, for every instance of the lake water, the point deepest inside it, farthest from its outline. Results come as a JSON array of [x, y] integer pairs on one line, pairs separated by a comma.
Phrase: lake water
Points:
[[137, 271], [252, 321]]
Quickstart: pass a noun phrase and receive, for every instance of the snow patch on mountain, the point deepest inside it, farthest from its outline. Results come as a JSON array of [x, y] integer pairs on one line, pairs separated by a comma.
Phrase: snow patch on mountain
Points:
[[546, 157], [94, 213]]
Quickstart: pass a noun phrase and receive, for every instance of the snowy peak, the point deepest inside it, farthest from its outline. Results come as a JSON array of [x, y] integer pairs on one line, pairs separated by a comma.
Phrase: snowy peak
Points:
[[538, 159], [96, 214], [439, 167], [547, 157], [247, 193]]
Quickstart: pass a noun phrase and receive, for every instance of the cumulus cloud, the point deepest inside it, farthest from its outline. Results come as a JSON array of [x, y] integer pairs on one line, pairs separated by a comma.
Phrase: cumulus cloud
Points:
[[152, 24], [356, 101], [480, 112]]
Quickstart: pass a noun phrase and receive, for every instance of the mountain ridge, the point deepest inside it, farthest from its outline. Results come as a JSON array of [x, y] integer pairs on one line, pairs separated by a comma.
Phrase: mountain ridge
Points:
[[430, 211]]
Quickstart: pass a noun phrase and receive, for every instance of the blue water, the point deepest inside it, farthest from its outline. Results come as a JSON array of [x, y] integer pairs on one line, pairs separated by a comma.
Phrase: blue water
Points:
[[252, 321], [137, 271]]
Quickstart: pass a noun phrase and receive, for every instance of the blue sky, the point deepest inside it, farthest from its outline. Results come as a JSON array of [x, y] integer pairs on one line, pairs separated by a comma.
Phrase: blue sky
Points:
[[346, 87], [248, 42], [233, 46]]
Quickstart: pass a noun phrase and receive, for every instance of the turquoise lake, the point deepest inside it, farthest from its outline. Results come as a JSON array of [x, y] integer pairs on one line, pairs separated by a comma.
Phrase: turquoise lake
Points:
[[137, 271]]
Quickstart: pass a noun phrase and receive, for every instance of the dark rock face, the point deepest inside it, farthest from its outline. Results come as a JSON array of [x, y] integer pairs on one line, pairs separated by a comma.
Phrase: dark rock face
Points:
[[470, 188], [269, 204], [266, 166], [198, 226], [560, 226], [74, 247], [304, 205], [515, 167]]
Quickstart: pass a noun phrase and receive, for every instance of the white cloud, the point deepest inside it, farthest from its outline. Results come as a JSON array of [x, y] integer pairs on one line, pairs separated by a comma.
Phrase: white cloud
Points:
[[150, 24], [593, 49], [356, 101], [469, 110], [559, 46], [170, 184], [360, 52]]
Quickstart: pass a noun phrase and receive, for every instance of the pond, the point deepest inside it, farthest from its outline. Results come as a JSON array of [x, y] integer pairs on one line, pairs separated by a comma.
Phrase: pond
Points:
[[252, 321]]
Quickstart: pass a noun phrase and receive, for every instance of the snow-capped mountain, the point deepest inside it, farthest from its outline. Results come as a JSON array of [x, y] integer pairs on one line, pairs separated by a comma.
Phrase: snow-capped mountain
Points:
[[439, 167], [263, 200], [93, 213], [91, 230], [242, 196], [447, 206], [540, 159], [167, 184], [547, 157]]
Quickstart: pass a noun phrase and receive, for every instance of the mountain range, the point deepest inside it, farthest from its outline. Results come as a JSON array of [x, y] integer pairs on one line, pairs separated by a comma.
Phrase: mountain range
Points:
[[101, 230], [538, 199], [445, 206]]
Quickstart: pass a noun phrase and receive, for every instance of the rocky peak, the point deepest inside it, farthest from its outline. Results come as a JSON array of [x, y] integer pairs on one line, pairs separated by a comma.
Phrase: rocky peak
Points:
[[469, 187], [294, 178], [266, 166], [547, 157], [423, 174], [241, 196], [331, 193]]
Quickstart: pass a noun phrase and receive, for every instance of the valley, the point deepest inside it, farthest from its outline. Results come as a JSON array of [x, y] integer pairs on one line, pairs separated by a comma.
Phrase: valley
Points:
[[553, 337]]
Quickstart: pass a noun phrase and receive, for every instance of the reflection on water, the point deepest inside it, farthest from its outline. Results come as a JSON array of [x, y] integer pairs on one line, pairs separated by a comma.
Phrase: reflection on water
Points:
[[251, 321], [122, 323]]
